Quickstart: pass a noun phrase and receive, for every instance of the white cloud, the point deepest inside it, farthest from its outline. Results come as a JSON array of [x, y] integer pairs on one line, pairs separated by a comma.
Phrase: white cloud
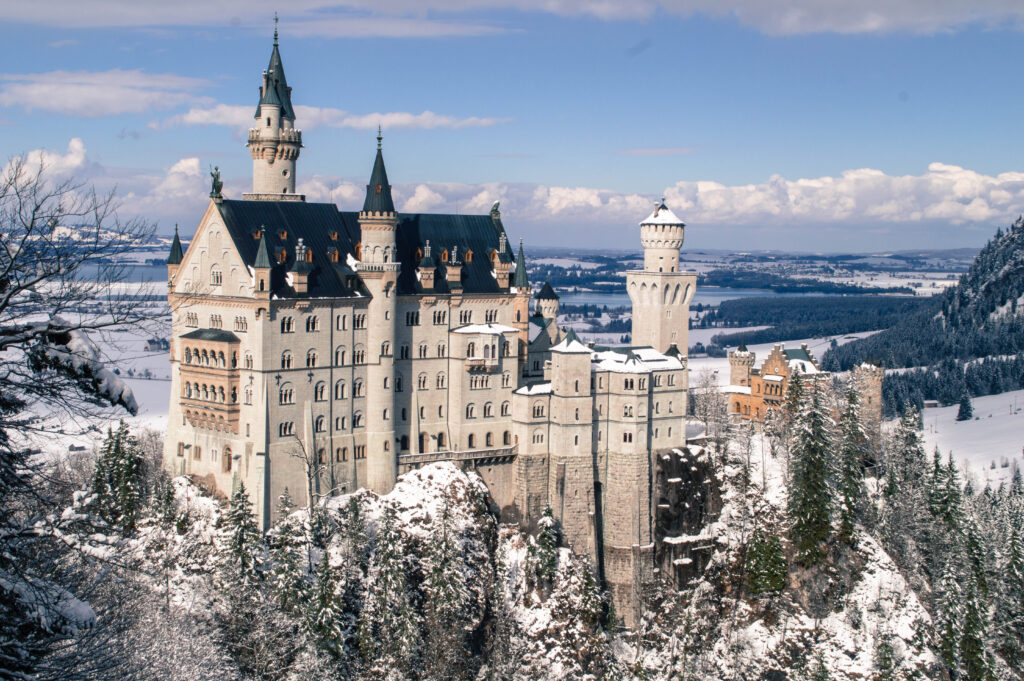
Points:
[[55, 164], [98, 93], [423, 200], [440, 18], [311, 117]]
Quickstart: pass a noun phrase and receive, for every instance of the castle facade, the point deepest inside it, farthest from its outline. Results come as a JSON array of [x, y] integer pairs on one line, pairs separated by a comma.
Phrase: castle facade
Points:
[[322, 351]]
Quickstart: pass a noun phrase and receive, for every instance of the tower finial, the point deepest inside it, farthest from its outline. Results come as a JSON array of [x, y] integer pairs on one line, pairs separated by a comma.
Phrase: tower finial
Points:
[[379, 136], [275, 29]]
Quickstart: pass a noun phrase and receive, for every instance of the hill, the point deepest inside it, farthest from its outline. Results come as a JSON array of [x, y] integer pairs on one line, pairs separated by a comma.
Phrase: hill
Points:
[[981, 317]]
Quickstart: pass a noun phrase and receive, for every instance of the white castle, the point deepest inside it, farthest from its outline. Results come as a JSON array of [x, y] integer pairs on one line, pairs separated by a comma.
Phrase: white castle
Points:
[[323, 351]]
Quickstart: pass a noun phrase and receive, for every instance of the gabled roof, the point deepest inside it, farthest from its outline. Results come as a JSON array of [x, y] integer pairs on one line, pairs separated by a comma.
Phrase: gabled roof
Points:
[[275, 88], [378, 192], [798, 354], [547, 293], [176, 255]]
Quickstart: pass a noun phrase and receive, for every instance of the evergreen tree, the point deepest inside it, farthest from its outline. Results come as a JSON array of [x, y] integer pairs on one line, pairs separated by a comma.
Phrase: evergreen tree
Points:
[[353, 535], [975, 657], [325, 616], [810, 494], [576, 602], [289, 579], [117, 482], [765, 564], [852, 446], [966, 411], [285, 505], [949, 619], [239, 541], [884, 659], [1011, 607], [389, 631], [504, 650], [446, 603], [546, 553]]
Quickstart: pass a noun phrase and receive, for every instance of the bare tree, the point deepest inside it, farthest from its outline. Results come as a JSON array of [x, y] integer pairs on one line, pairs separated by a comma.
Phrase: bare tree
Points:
[[61, 277]]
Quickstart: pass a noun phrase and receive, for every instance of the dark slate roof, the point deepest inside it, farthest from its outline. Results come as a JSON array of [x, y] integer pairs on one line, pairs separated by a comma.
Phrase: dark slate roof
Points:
[[276, 90], [547, 293], [218, 335], [281, 224], [315, 223], [378, 192], [673, 351], [520, 281], [262, 257], [176, 254], [542, 322], [798, 354]]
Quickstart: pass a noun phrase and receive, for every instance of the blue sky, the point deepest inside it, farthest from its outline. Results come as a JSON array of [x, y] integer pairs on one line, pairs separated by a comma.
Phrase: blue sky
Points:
[[805, 124]]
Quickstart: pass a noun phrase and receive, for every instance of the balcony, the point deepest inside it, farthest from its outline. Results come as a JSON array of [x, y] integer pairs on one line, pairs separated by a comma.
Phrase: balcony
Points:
[[471, 457]]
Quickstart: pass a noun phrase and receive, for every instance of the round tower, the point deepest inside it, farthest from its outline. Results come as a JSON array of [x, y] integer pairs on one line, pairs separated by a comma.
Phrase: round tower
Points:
[[547, 302], [274, 143], [661, 235]]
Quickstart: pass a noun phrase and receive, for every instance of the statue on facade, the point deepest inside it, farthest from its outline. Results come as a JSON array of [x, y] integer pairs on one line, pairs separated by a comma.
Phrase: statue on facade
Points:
[[217, 184]]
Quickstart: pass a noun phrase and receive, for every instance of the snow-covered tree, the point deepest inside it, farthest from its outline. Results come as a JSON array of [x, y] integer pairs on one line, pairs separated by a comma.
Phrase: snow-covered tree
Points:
[[389, 625], [118, 481], [289, 577], [810, 494], [325, 617], [975, 655], [545, 552], [849, 466], [239, 542], [949, 618], [446, 603], [965, 412], [765, 563]]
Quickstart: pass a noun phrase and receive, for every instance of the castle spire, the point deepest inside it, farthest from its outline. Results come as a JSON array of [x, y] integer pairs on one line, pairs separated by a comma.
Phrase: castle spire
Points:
[[378, 192], [520, 281], [176, 255], [262, 256]]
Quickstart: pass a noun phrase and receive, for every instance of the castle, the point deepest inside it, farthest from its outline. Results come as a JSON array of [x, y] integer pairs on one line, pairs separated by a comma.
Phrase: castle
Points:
[[321, 351]]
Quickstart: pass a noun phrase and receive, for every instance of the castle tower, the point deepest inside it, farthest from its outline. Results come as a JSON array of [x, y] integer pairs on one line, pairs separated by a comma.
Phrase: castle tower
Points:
[[571, 489], [867, 379], [274, 143], [378, 267], [175, 258], [547, 302], [741, 363], [659, 292]]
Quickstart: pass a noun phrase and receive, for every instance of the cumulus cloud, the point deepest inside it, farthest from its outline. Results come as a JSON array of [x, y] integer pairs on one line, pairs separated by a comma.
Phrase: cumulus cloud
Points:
[[311, 117], [98, 93], [442, 18], [56, 164]]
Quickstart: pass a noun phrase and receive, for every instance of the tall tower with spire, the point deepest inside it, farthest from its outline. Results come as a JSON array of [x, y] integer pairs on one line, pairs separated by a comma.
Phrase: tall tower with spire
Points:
[[660, 293], [378, 267], [274, 142]]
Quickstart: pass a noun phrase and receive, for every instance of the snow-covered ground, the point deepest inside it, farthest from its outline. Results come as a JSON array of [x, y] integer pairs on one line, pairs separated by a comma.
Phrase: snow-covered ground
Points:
[[995, 435]]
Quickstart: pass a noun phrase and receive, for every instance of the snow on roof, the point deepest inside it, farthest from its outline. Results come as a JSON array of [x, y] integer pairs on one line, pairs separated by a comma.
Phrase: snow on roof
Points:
[[773, 378], [737, 389], [492, 329], [571, 346], [662, 216], [804, 367], [535, 389], [633, 361]]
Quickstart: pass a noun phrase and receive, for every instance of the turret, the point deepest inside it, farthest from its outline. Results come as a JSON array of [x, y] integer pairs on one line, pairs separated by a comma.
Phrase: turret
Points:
[[741, 362], [547, 302], [274, 142], [176, 256], [453, 269], [426, 268], [261, 269], [661, 235], [378, 219], [301, 268]]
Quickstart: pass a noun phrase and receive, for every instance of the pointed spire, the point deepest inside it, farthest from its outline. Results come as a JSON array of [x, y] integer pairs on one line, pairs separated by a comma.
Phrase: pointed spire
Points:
[[176, 255], [520, 281], [275, 90], [380, 136], [547, 293], [262, 256], [378, 192], [275, 29]]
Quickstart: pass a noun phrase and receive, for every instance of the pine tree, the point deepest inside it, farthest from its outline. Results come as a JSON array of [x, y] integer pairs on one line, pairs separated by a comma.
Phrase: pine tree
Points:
[[765, 564], [548, 539], [389, 631], [353, 534], [810, 494], [325, 617], [289, 579], [884, 659], [966, 411], [504, 648], [239, 541], [852, 446], [977, 559], [1011, 609], [974, 654], [117, 482], [446, 603], [949, 619], [577, 607], [285, 505]]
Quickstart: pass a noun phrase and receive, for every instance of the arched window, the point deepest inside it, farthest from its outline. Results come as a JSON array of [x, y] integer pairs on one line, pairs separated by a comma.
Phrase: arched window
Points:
[[357, 388], [206, 358], [188, 355], [320, 424], [471, 350], [248, 361], [441, 441], [287, 325], [398, 383], [387, 382], [357, 419], [489, 440], [488, 410], [471, 441], [470, 411], [442, 381], [506, 438], [538, 409], [627, 410], [286, 394], [226, 460], [385, 348], [339, 390], [286, 360], [423, 350], [339, 356], [248, 395], [311, 358], [506, 408], [487, 351], [421, 381], [312, 323], [319, 391], [441, 348]]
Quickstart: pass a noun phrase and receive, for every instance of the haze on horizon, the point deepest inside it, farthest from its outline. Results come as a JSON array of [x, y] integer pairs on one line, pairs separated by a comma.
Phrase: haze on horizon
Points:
[[766, 125]]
